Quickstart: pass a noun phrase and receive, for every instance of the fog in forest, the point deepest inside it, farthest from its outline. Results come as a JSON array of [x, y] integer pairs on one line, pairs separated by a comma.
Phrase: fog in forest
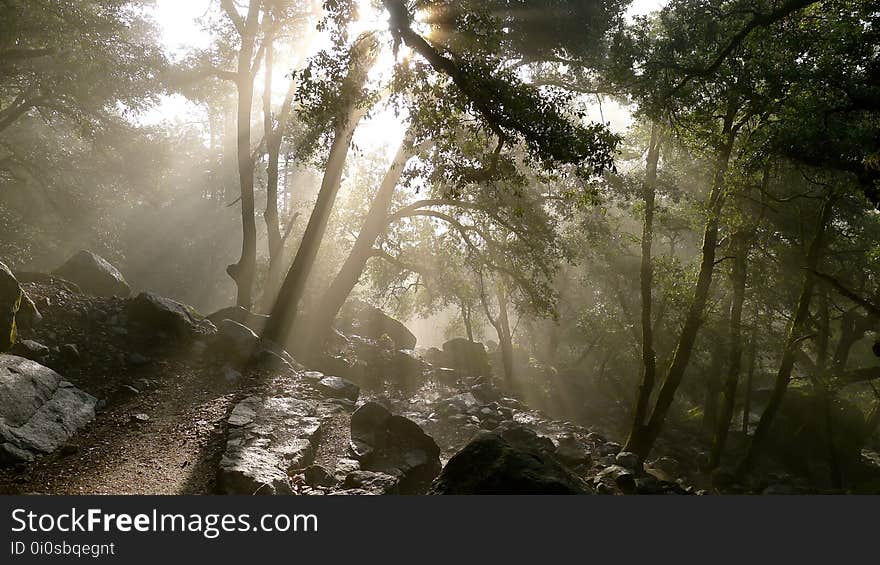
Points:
[[642, 235]]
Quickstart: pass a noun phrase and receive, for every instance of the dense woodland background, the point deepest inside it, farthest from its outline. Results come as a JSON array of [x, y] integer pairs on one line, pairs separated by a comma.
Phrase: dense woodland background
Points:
[[704, 271]]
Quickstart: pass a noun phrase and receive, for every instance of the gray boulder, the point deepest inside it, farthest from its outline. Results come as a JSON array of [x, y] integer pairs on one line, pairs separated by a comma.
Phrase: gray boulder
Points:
[[394, 445], [256, 322], [154, 313], [235, 341], [268, 438], [30, 349], [39, 411], [368, 321], [467, 357], [491, 464], [337, 387], [94, 275]]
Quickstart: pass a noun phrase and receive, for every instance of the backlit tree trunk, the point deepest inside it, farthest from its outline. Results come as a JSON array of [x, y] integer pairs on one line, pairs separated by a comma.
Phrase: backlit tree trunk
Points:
[[792, 344]]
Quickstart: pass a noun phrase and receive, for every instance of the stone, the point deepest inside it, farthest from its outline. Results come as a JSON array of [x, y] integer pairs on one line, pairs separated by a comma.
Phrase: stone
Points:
[[69, 352], [467, 357], [362, 319], [523, 437], [235, 341], [458, 404], [337, 387], [608, 448], [39, 411], [140, 417], [490, 464], [317, 476], [572, 452], [628, 460], [394, 445], [94, 275], [255, 322], [267, 439], [137, 359], [623, 478], [372, 482], [154, 313], [30, 349]]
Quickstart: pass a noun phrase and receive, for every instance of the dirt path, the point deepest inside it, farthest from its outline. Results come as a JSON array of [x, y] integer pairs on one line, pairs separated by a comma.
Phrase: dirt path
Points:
[[174, 451]]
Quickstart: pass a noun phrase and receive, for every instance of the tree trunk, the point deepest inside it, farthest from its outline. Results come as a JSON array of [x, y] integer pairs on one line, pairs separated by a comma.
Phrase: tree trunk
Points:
[[375, 223], [786, 364], [649, 357], [244, 271], [713, 390], [750, 375], [274, 136], [505, 338], [642, 438], [738, 282], [284, 312], [466, 318]]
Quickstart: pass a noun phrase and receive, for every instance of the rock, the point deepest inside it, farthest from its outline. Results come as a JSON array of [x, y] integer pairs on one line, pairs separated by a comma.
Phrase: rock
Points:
[[623, 478], [140, 417], [230, 374], [571, 452], [490, 464], [235, 342], [435, 357], [317, 476], [628, 460], [372, 482], [526, 439], [154, 313], [69, 352], [268, 438], [337, 387], [443, 375], [368, 321], [94, 275], [30, 349], [608, 448], [137, 359], [11, 296], [255, 322], [458, 404], [466, 357], [394, 445], [667, 465], [39, 411]]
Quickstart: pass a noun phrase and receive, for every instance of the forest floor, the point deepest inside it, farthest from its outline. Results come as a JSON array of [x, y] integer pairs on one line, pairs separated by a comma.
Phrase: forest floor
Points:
[[159, 427], [161, 423]]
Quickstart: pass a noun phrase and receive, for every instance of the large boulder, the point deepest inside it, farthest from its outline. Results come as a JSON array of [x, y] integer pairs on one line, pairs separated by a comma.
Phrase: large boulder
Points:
[[368, 321], [516, 464], [268, 438], [255, 322], [235, 341], [467, 357], [39, 410], [394, 445], [94, 275], [154, 313]]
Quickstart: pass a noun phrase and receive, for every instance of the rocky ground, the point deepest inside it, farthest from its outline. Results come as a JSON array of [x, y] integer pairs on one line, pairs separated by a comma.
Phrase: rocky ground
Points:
[[181, 405]]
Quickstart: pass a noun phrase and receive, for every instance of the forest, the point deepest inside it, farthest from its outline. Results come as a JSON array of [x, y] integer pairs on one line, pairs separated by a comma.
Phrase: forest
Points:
[[439, 247]]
